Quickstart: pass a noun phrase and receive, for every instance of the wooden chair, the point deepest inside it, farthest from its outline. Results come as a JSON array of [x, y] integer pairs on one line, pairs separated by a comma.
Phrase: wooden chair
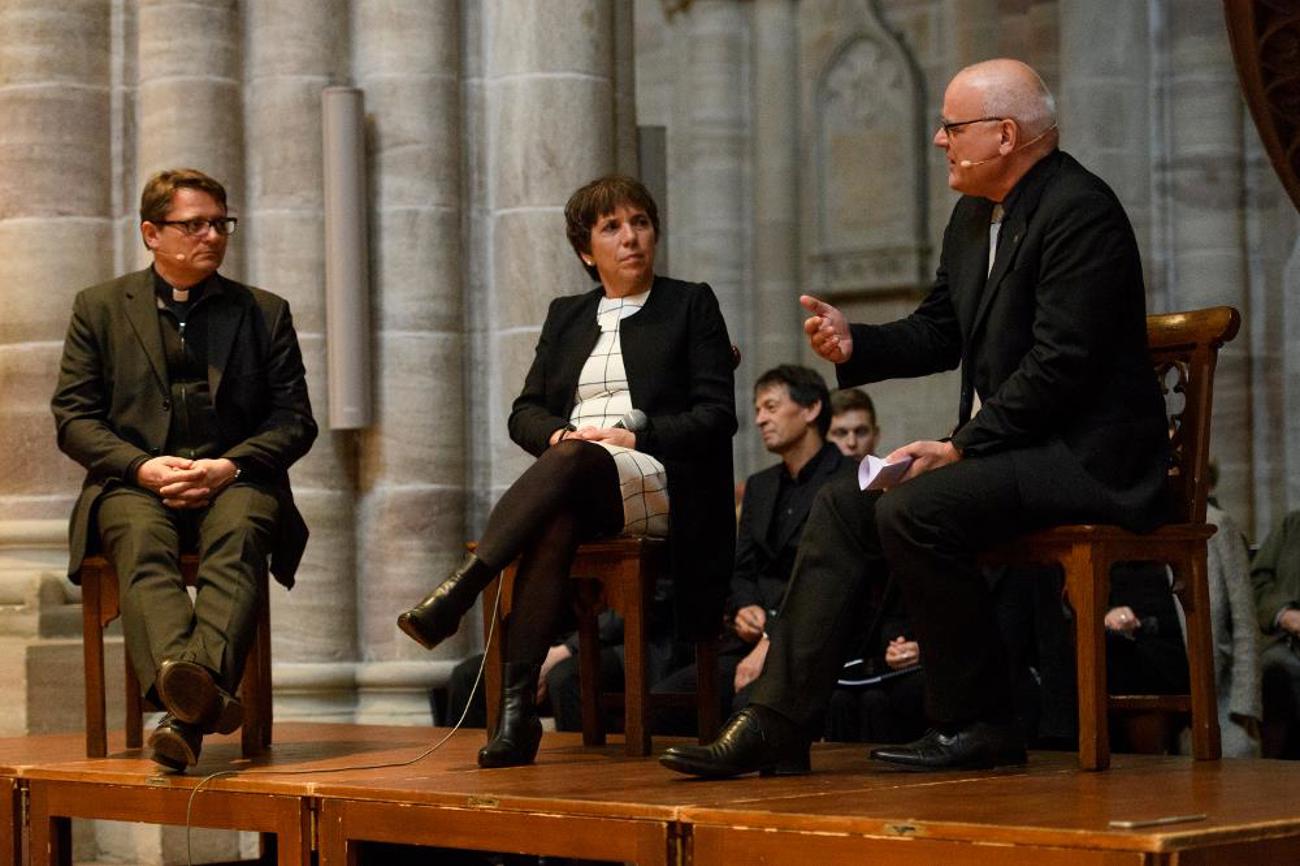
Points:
[[100, 606], [619, 573], [1184, 349]]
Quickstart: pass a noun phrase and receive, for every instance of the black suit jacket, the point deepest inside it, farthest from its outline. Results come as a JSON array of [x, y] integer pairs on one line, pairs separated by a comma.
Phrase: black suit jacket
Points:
[[1053, 340], [763, 563], [679, 369], [112, 404]]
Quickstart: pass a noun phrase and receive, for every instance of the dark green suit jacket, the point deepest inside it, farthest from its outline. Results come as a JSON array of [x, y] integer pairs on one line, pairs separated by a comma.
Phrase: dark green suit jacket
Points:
[[113, 401]]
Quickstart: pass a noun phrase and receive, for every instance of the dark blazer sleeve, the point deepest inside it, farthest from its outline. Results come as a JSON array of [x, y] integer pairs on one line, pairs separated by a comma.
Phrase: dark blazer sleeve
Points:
[[927, 341], [287, 428], [532, 420], [81, 399], [710, 415]]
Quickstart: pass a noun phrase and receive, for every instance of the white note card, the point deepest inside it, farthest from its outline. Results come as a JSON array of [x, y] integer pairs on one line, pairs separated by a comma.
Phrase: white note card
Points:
[[875, 474]]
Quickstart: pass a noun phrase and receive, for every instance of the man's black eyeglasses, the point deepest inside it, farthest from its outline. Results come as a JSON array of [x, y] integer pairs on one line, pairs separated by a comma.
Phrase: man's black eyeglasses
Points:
[[949, 125], [221, 225]]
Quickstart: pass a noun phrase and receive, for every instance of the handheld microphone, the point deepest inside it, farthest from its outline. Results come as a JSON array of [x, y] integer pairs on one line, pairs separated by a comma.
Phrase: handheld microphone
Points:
[[634, 421], [971, 163]]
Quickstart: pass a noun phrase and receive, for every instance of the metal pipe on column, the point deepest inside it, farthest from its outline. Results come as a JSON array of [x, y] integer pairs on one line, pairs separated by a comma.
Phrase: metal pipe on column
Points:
[[347, 279]]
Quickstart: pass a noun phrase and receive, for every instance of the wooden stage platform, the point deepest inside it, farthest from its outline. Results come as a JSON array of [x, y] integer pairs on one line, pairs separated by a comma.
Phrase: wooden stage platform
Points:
[[598, 804]]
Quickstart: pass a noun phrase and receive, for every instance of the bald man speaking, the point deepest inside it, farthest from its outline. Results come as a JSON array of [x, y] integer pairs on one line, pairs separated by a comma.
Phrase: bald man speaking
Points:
[[1039, 298]]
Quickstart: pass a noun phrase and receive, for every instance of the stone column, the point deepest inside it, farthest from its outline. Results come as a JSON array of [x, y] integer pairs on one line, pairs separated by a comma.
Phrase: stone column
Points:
[[548, 90], [1104, 101], [188, 104], [56, 233], [777, 318], [711, 168], [1290, 387], [410, 488], [1204, 185], [294, 49]]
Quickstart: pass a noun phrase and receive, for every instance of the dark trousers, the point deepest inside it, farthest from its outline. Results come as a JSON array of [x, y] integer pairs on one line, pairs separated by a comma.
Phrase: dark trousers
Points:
[[926, 532], [144, 539]]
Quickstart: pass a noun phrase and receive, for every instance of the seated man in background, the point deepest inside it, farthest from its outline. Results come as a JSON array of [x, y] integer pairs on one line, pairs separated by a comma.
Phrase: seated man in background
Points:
[[183, 395], [792, 414], [853, 423], [1275, 573]]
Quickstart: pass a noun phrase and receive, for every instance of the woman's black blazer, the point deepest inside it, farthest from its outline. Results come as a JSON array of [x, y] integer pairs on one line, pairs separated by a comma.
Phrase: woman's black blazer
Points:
[[679, 366]]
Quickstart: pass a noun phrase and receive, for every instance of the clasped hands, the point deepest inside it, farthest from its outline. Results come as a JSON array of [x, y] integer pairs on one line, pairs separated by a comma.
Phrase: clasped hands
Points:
[[613, 435], [829, 335], [181, 483]]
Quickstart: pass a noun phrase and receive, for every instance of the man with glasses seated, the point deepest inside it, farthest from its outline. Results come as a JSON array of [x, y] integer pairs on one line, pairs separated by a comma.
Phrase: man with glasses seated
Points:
[[1039, 298], [183, 395]]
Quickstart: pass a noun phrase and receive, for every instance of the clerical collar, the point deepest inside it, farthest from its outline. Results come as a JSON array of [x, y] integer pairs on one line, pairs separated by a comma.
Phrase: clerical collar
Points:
[[168, 294], [1017, 191]]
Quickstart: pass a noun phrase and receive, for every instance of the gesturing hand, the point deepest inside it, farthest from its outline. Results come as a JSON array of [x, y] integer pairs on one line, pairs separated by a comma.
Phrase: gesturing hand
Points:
[[827, 330]]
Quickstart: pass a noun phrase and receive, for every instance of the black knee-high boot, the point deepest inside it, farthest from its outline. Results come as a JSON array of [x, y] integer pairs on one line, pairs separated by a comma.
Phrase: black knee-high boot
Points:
[[519, 729], [438, 615]]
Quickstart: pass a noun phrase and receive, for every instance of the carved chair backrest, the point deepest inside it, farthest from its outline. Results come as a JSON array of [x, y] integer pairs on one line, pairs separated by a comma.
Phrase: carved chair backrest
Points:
[[1184, 351]]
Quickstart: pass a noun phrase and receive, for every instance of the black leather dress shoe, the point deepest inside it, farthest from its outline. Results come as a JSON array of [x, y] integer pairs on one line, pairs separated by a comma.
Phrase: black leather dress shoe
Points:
[[978, 746], [175, 745], [754, 740], [188, 691]]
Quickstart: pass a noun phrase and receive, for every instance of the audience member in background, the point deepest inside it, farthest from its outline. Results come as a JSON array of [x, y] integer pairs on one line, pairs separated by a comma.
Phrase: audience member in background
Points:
[[1145, 652], [1275, 574], [792, 414], [880, 696], [853, 423], [1236, 634]]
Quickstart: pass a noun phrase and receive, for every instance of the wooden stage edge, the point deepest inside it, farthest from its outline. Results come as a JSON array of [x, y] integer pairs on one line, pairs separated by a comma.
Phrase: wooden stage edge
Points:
[[322, 788]]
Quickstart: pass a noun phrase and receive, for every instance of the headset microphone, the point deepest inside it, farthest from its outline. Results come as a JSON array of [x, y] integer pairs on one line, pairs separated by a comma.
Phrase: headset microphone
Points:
[[180, 257], [968, 163]]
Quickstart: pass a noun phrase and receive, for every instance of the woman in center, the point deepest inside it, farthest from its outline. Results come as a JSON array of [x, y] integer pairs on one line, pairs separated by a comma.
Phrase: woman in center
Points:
[[629, 407]]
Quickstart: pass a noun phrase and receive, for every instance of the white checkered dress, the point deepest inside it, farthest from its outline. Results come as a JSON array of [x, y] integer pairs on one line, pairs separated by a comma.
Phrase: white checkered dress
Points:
[[602, 399]]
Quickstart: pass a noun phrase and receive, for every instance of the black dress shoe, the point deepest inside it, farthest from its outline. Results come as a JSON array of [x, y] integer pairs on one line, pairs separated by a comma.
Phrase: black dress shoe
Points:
[[438, 615], [978, 746], [754, 740], [188, 691], [175, 745]]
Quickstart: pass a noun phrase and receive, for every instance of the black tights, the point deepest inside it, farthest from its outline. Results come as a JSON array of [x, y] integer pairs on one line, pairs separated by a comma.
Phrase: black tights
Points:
[[569, 495]]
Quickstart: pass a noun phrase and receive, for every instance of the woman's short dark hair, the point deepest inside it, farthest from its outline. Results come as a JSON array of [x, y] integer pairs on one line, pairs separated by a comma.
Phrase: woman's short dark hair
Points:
[[804, 386], [156, 200], [599, 197]]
